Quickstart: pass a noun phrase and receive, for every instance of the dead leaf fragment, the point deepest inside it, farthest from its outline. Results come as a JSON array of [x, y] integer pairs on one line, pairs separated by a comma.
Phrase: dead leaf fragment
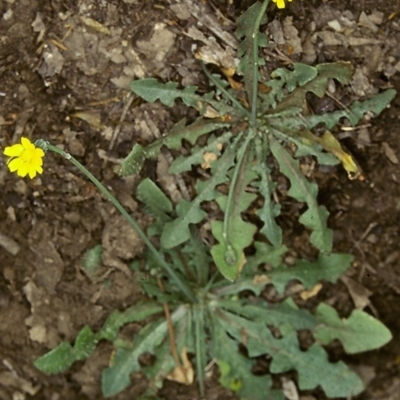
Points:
[[358, 292], [308, 294], [365, 21], [97, 26], [209, 112], [359, 41], [360, 83], [52, 63], [332, 145], [38, 333], [206, 17], [289, 389], [157, 47], [9, 244], [212, 52], [184, 373], [11, 379], [389, 153], [90, 118], [208, 157], [261, 280], [276, 31], [291, 35]]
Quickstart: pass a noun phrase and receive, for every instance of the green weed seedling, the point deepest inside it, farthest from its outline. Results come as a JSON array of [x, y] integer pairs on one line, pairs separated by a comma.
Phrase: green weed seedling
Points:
[[221, 307]]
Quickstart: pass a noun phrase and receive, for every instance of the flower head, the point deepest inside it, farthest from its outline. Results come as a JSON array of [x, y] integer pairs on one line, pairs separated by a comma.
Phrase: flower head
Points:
[[26, 158], [280, 3]]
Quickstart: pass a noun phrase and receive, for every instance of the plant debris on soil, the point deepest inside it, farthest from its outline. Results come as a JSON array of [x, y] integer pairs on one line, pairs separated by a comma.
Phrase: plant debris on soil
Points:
[[65, 71]]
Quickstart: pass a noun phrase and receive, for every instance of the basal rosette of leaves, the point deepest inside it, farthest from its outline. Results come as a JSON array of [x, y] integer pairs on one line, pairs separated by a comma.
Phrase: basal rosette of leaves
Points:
[[254, 133], [215, 326], [247, 133]]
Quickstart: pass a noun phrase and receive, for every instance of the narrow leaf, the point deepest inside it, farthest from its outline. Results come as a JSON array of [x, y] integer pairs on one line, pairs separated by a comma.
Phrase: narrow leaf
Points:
[[57, 360], [301, 189], [155, 201], [165, 362], [285, 316], [117, 319], [248, 29], [269, 211], [375, 104]]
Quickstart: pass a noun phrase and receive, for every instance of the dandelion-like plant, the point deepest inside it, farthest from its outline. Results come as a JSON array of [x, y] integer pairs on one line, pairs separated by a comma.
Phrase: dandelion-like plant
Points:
[[25, 158]]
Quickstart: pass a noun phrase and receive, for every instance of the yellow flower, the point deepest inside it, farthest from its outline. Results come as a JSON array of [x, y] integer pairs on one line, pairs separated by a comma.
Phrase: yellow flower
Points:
[[25, 158], [280, 3]]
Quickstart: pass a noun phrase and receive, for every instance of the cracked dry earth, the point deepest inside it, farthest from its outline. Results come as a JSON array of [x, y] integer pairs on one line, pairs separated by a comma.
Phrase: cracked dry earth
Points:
[[65, 70]]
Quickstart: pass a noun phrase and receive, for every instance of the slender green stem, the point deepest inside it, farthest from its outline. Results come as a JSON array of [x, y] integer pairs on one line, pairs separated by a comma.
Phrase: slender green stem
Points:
[[198, 312], [256, 32], [238, 167], [182, 285]]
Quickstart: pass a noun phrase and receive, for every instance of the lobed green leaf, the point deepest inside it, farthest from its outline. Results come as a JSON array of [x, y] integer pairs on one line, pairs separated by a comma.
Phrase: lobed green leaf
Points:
[[64, 355], [327, 267], [154, 199], [126, 361], [185, 163], [340, 71], [269, 211], [248, 48], [133, 163], [178, 231], [236, 369], [315, 218], [151, 90], [312, 366], [360, 332], [234, 234]]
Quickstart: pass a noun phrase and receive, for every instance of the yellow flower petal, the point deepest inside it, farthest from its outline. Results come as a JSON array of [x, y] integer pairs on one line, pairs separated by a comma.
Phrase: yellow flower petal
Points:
[[280, 3], [26, 158], [13, 151], [27, 144], [13, 165], [32, 173], [23, 170], [39, 152]]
